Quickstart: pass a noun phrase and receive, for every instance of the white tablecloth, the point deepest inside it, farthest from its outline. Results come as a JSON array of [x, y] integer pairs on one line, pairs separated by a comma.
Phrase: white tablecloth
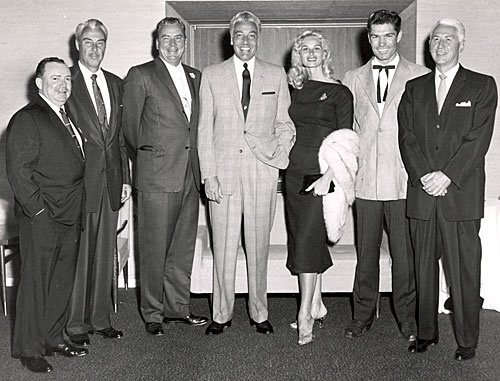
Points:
[[490, 262]]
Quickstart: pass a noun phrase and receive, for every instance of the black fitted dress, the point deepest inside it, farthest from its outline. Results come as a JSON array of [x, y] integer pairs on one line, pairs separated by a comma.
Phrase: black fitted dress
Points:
[[317, 110]]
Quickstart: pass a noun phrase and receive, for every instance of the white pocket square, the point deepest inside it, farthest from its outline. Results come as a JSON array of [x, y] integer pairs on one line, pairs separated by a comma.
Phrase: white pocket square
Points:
[[463, 104]]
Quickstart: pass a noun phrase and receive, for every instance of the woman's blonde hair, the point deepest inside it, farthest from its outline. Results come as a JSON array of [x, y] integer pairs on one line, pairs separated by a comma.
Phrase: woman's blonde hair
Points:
[[298, 74]]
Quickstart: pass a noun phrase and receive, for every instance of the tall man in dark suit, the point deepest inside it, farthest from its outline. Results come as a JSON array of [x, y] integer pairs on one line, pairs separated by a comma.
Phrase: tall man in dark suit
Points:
[[45, 171], [160, 122], [95, 106], [245, 138], [445, 126], [377, 88]]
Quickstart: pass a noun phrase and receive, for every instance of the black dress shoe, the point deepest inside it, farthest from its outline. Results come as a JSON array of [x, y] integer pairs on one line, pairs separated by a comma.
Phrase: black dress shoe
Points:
[[465, 353], [357, 328], [217, 328], [263, 327], [66, 350], [79, 339], [36, 364], [408, 330], [154, 329], [190, 320], [421, 345], [109, 333]]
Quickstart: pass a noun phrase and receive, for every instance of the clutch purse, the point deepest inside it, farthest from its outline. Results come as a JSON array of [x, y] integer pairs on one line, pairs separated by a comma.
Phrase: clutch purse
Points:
[[309, 179]]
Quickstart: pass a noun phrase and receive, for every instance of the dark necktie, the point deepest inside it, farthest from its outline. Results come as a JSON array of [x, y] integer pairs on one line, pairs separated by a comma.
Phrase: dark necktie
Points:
[[245, 94], [67, 124], [381, 99], [101, 109]]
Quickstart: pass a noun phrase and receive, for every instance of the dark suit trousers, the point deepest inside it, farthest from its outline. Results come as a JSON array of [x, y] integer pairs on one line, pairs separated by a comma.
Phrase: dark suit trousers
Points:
[[91, 302], [370, 223], [168, 224], [459, 246], [48, 258]]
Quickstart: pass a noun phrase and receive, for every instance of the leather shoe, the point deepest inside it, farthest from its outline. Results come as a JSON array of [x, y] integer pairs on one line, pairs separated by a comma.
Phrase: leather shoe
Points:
[[408, 330], [154, 329], [421, 345], [189, 320], [465, 353], [357, 328], [263, 327], [36, 364], [81, 339], [217, 328], [66, 350], [109, 333]]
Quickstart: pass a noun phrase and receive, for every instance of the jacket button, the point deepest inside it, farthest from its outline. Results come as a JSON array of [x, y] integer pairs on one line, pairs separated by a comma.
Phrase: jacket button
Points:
[[186, 147], [438, 126], [437, 147], [189, 129], [245, 131], [241, 151]]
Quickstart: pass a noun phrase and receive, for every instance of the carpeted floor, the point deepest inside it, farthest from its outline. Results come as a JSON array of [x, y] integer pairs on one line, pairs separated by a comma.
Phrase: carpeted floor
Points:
[[186, 353]]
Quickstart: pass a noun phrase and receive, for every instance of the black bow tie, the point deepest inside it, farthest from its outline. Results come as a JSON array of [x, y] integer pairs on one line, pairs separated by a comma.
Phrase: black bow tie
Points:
[[382, 67]]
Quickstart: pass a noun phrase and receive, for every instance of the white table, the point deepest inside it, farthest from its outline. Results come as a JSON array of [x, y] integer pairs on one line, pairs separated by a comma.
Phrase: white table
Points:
[[490, 262]]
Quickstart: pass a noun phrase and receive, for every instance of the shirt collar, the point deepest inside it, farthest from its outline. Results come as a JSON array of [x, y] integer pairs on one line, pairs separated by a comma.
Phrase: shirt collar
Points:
[[87, 73], [394, 61], [238, 64], [52, 105], [450, 74], [172, 68]]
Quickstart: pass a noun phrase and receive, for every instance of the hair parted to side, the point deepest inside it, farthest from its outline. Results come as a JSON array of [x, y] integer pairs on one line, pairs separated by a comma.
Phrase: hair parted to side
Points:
[[170, 21], [40, 68], [245, 16], [298, 74], [382, 17], [454, 23], [93, 24]]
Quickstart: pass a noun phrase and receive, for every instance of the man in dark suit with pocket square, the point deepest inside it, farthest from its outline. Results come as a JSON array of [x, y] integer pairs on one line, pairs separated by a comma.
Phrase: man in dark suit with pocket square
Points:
[[446, 122], [45, 170], [160, 123]]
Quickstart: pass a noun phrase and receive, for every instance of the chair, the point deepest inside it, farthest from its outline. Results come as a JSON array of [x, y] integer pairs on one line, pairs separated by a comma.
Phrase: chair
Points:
[[9, 236]]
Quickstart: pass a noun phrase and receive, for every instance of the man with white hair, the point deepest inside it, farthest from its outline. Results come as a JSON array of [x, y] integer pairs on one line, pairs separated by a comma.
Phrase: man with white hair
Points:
[[445, 126]]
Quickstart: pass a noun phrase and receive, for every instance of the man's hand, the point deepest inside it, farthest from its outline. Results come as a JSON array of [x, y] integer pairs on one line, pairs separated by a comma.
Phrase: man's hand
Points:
[[126, 192], [435, 183], [212, 189]]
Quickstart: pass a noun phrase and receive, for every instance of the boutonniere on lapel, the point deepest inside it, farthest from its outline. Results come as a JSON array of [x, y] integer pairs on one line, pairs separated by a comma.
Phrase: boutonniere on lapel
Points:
[[192, 75], [323, 97]]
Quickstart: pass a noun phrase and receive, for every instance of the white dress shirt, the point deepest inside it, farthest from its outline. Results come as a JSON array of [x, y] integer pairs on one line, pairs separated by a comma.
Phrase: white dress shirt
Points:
[[450, 76], [238, 66], [384, 79]]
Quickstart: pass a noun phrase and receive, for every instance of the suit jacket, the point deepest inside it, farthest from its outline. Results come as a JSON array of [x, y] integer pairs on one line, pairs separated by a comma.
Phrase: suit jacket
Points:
[[44, 165], [454, 142], [157, 129], [268, 130], [105, 157], [381, 174]]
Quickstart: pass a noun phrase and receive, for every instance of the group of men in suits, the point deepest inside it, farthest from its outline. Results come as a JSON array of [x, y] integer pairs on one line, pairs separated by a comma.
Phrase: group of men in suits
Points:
[[229, 129]]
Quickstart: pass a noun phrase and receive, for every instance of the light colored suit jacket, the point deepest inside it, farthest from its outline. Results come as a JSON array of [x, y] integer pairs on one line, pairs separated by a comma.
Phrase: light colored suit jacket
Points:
[[223, 132], [381, 175]]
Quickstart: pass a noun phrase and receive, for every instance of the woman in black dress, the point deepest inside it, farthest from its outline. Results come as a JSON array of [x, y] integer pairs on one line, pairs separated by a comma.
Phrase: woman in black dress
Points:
[[320, 105]]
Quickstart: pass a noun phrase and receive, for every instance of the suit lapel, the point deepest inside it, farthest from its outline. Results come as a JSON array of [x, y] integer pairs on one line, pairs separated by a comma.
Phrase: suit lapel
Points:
[[456, 86], [233, 89], [366, 79], [190, 77], [399, 80], [114, 105], [167, 81]]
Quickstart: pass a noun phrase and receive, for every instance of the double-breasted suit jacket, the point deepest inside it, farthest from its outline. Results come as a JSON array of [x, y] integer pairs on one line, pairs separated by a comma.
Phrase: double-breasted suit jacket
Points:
[[45, 172], [165, 142], [381, 175], [245, 156]]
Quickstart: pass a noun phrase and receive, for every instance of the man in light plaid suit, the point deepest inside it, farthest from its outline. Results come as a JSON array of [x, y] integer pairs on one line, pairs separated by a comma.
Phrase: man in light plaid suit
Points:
[[241, 147]]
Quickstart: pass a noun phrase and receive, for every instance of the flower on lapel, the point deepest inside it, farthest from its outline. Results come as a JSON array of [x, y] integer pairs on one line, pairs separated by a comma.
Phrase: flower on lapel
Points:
[[323, 97], [192, 75]]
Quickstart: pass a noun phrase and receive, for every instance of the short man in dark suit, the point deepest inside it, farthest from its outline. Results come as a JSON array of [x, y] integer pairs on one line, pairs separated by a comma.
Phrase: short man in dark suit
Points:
[[45, 171], [160, 123], [95, 106], [377, 88], [445, 126]]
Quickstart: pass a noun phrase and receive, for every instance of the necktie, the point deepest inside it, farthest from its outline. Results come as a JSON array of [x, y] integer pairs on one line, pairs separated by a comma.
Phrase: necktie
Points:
[[101, 109], [72, 132], [441, 95], [381, 99], [245, 94]]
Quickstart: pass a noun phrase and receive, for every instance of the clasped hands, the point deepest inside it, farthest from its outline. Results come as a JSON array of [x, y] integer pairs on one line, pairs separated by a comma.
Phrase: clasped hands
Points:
[[435, 183]]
